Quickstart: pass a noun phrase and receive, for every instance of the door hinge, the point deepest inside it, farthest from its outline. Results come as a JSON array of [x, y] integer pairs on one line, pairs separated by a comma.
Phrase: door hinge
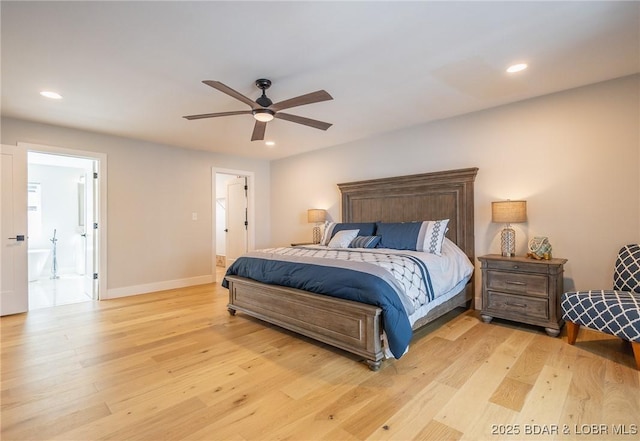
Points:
[[95, 225], [95, 175], [95, 276]]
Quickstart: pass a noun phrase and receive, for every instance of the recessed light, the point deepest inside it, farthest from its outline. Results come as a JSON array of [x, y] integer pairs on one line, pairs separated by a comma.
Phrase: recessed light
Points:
[[52, 95], [270, 143], [516, 67]]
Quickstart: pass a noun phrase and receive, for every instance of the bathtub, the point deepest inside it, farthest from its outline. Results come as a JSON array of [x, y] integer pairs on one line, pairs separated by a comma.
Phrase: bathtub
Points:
[[36, 261]]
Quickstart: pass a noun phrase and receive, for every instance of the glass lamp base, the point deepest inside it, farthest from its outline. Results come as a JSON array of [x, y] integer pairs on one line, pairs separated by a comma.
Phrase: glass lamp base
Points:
[[508, 242]]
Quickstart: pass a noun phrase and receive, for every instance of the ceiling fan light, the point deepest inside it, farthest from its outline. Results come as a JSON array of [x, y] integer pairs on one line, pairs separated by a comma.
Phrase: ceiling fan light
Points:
[[263, 115]]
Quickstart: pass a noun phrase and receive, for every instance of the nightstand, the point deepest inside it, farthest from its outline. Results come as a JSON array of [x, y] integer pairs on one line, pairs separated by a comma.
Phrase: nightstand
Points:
[[523, 290]]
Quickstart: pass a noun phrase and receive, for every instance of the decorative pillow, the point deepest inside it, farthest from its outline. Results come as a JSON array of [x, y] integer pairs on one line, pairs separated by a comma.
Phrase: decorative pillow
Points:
[[417, 236], [434, 236], [326, 232], [342, 239], [365, 242], [331, 228], [398, 235]]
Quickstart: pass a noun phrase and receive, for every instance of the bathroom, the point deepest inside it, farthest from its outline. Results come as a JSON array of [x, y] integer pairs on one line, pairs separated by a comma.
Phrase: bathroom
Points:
[[60, 220]]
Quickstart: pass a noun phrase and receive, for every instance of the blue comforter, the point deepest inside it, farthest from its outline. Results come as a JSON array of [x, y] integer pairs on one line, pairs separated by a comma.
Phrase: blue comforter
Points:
[[334, 279]]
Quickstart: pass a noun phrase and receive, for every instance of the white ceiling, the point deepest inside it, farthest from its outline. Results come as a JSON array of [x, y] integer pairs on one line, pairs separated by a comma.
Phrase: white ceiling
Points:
[[134, 69]]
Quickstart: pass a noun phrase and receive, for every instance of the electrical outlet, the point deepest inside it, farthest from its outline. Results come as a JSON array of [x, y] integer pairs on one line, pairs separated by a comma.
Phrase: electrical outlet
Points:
[[194, 216]]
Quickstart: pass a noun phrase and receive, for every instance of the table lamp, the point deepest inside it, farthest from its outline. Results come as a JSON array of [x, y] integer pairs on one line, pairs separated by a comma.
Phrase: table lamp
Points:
[[508, 212], [316, 216]]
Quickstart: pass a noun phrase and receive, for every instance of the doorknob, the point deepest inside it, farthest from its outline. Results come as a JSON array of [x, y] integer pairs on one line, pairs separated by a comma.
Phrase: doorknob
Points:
[[19, 238]]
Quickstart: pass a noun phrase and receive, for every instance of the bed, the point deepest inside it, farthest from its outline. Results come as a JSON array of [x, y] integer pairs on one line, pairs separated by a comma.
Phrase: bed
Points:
[[354, 326]]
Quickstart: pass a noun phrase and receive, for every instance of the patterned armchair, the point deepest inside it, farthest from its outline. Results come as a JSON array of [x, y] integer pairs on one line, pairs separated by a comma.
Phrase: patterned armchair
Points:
[[615, 312]]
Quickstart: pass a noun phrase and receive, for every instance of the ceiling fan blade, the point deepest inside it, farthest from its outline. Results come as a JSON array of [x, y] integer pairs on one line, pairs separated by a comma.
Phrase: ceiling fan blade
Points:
[[229, 91], [213, 115], [258, 131], [302, 120], [309, 98]]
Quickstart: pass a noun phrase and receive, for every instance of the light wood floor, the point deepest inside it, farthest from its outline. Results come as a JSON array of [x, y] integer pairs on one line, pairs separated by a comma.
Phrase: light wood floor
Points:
[[175, 365]]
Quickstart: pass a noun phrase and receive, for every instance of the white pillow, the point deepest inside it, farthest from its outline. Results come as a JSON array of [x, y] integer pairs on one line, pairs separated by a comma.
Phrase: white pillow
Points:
[[434, 232], [326, 234], [342, 239]]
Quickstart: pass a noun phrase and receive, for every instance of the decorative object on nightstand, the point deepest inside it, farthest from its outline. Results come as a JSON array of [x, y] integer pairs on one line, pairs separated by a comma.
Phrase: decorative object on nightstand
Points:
[[539, 248], [316, 216], [508, 212], [523, 290]]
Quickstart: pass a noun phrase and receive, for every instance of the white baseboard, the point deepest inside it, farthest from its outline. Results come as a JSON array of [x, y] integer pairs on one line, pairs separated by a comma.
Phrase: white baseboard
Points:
[[156, 286]]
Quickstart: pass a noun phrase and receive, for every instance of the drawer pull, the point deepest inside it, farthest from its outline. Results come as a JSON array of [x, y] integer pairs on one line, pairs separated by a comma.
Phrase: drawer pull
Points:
[[515, 267], [519, 305], [515, 282]]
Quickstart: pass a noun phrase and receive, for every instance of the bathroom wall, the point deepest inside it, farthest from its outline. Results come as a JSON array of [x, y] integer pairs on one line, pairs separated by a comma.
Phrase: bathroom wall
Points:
[[59, 212]]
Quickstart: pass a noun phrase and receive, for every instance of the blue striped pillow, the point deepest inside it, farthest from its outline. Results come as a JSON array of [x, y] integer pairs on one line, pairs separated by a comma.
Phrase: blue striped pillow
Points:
[[331, 228], [364, 242]]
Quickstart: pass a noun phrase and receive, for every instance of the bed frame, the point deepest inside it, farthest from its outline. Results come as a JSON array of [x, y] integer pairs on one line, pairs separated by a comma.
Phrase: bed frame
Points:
[[357, 327]]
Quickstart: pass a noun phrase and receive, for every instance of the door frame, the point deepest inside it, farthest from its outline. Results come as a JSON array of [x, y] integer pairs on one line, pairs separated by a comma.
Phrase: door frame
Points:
[[101, 158], [250, 207]]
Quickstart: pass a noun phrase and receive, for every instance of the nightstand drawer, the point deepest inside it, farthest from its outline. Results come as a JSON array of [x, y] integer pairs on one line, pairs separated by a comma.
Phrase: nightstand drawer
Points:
[[502, 303], [514, 265], [520, 283]]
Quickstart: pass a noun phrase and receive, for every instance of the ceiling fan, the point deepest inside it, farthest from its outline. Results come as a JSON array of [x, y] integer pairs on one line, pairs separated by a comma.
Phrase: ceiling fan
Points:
[[264, 110]]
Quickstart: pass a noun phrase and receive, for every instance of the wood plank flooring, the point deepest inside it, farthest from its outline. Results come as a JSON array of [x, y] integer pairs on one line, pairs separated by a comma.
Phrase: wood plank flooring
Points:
[[175, 365]]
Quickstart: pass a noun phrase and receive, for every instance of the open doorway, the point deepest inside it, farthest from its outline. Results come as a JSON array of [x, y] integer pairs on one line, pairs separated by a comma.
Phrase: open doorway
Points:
[[66, 214], [233, 215], [60, 216]]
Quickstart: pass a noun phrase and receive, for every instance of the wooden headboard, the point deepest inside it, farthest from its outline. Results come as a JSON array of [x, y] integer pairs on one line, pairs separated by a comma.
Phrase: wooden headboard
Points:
[[426, 196]]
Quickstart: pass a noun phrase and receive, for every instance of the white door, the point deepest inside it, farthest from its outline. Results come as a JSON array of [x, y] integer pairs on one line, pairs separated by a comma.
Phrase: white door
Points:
[[14, 293], [236, 219]]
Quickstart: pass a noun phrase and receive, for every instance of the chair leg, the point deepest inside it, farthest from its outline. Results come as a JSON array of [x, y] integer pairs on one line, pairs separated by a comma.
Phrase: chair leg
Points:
[[572, 332], [636, 353]]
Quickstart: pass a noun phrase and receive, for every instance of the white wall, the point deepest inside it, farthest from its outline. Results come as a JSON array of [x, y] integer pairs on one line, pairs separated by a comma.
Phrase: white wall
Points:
[[152, 191], [574, 156]]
